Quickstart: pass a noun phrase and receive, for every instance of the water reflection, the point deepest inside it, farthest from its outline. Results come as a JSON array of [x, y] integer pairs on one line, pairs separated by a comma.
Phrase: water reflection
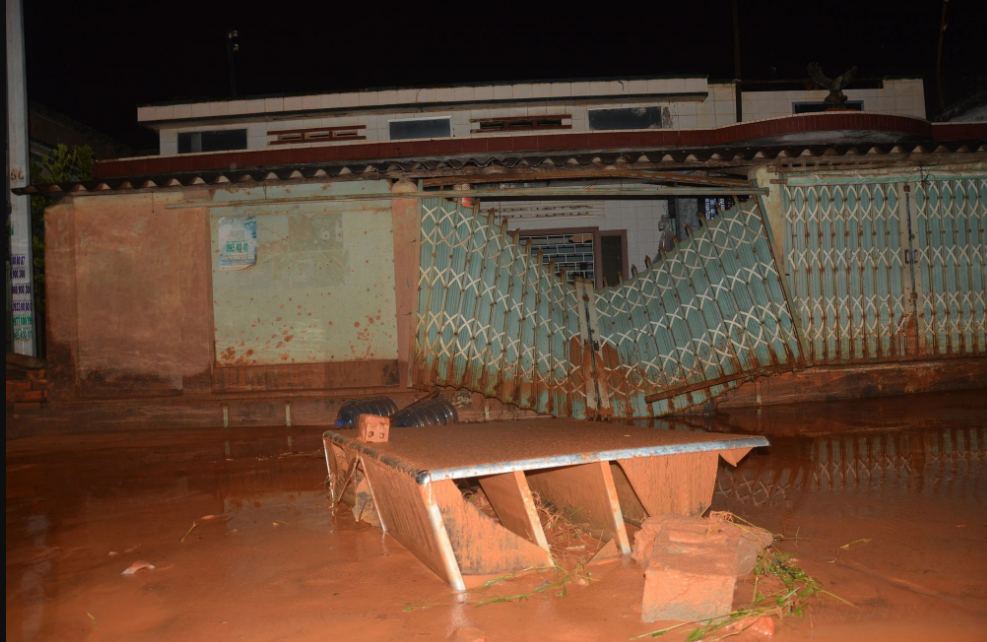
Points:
[[947, 463]]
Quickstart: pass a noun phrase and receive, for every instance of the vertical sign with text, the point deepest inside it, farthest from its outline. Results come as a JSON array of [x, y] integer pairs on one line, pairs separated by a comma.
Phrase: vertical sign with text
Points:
[[21, 300]]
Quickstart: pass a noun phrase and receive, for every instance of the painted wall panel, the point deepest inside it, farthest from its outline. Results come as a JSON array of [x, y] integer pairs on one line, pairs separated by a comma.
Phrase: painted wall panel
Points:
[[322, 290]]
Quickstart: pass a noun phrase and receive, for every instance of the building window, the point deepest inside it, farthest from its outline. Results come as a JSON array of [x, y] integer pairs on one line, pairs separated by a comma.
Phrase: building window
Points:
[[318, 135], [629, 118], [497, 125], [217, 141], [572, 251], [812, 108], [420, 128], [585, 253]]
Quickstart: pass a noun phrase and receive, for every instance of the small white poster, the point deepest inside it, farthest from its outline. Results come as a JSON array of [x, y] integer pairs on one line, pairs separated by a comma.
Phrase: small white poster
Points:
[[237, 243]]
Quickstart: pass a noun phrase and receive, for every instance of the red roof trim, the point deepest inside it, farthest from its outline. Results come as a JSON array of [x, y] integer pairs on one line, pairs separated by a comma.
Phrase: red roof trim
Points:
[[602, 141]]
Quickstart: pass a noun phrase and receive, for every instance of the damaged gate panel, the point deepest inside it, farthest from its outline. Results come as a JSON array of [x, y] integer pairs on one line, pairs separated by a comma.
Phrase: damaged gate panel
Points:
[[701, 320], [493, 319]]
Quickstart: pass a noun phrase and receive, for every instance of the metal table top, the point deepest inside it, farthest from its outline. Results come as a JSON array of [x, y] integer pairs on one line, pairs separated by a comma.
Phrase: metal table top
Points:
[[477, 450]]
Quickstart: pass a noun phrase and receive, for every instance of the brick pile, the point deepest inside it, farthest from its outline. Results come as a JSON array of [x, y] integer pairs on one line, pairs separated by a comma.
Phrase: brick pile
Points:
[[30, 386], [692, 565]]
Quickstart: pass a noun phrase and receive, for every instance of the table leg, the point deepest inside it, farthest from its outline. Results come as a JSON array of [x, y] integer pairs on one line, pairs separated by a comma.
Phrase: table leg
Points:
[[587, 493]]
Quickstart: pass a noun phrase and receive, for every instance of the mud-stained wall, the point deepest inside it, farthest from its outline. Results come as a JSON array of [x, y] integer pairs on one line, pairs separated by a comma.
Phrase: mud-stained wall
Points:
[[138, 306], [322, 289], [140, 296]]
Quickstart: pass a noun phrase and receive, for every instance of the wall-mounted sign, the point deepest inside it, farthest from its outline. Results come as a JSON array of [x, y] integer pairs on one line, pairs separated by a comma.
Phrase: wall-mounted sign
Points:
[[237, 243], [21, 288]]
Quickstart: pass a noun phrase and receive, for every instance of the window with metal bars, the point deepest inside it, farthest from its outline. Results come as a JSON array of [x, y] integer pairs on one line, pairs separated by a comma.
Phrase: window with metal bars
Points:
[[572, 252], [521, 123], [318, 135]]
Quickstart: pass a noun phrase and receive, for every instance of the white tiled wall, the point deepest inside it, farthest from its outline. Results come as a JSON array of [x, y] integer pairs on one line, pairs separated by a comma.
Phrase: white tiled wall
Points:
[[410, 96], [904, 97], [638, 217]]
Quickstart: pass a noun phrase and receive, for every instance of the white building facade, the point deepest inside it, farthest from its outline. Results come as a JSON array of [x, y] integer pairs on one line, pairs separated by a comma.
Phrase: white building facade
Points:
[[494, 110]]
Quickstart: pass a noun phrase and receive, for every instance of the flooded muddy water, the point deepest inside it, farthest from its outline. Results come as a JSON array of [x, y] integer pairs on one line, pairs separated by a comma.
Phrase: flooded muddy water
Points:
[[885, 502]]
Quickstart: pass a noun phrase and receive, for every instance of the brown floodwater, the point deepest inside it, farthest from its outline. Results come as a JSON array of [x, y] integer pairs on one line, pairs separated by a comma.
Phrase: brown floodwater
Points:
[[904, 480]]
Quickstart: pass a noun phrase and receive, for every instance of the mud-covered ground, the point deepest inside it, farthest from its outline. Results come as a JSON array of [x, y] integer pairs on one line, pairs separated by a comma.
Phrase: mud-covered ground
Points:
[[905, 480]]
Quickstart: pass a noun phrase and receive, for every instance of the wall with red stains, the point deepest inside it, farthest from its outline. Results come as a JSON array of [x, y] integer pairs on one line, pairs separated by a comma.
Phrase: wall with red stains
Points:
[[139, 308], [322, 290]]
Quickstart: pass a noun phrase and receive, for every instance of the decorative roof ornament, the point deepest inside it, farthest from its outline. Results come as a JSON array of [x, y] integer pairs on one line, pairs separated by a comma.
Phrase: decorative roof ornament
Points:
[[836, 98]]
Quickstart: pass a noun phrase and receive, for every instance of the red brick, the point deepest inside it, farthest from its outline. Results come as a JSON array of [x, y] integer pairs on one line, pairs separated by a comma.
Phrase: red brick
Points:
[[689, 586], [29, 397], [373, 429]]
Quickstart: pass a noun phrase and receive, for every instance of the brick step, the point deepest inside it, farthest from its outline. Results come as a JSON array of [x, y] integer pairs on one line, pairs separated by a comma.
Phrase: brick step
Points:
[[37, 375], [27, 390]]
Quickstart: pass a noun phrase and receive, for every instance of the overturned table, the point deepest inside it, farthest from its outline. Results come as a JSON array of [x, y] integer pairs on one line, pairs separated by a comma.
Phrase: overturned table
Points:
[[606, 473]]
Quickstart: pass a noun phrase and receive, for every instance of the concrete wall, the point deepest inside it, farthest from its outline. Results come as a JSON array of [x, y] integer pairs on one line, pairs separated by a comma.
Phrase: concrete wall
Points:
[[128, 298], [138, 306], [322, 290]]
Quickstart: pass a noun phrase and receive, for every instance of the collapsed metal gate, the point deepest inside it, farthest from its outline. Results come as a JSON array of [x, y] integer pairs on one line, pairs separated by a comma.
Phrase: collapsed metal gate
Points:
[[887, 268], [704, 318]]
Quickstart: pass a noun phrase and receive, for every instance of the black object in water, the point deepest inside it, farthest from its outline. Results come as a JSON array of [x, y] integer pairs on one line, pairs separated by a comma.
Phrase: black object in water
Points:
[[433, 412], [380, 406]]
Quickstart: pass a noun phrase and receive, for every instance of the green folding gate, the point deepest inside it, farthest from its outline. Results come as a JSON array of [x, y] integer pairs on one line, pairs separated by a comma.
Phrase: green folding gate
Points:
[[887, 268], [949, 258], [707, 316], [493, 319]]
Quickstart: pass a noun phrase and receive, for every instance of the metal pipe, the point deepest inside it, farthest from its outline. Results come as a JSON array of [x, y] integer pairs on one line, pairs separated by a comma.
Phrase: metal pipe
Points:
[[534, 192], [569, 174], [540, 463], [738, 83]]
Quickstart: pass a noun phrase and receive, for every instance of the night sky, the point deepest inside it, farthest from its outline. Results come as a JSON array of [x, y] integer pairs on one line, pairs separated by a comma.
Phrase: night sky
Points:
[[96, 61]]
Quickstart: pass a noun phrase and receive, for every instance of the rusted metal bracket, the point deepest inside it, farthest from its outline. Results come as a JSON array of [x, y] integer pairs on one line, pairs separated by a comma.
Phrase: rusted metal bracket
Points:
[[553, 175], [704, 385], [528, 192]]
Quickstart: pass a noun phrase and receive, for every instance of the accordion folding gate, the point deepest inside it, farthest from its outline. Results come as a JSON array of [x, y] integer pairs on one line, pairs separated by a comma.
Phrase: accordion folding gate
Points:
[[873, 269], [701, 319], [874, 260]]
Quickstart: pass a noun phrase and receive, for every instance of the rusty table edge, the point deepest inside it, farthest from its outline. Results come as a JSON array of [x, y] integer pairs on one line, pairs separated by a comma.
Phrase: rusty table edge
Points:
[[424, 477]]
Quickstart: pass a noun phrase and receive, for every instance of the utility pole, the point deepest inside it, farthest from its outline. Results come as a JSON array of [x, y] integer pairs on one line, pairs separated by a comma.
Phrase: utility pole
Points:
[[738, 85], [942, 37], [232, 48], [18, 166]]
